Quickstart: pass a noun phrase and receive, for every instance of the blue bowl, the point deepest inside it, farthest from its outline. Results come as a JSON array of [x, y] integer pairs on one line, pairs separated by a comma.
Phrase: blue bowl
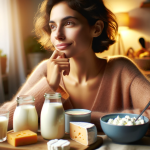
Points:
[[124, 134]]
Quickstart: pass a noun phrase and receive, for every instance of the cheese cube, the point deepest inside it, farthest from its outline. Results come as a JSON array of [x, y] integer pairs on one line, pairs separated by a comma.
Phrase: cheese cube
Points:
[[83, 132], [58, 144], [21, 138]]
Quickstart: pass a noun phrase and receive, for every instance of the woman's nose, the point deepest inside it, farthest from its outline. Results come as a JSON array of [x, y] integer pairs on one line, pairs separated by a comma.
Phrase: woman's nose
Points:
[[59, 35]]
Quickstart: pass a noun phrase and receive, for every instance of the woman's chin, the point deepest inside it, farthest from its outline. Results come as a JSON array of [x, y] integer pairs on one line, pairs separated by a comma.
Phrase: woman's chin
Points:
[[67, 55]]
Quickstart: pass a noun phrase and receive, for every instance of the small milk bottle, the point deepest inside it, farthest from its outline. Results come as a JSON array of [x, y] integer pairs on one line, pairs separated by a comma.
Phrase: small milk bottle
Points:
[[52, 117], [25, 115]]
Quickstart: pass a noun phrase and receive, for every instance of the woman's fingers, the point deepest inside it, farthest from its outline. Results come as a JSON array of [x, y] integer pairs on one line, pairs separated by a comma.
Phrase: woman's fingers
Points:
[[60, 60], [61, 68], [57, 54], [66, 72], [58, 57], [57, 64], [61, 63]]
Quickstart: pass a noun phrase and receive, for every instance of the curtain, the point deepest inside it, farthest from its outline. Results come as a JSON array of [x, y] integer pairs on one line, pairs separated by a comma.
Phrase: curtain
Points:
[[2, 98], [13, 45], [3, 42]]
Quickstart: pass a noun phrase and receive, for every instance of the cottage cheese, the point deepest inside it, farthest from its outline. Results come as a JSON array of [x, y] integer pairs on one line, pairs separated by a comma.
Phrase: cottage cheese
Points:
[[126, 121]]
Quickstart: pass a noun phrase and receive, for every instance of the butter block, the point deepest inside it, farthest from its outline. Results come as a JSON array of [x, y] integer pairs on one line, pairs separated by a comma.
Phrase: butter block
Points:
[[20, 138], [58, 144], [83, 132]]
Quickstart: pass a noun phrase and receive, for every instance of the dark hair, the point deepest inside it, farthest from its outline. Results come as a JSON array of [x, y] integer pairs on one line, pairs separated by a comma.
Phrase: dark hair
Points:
[[92, 10]]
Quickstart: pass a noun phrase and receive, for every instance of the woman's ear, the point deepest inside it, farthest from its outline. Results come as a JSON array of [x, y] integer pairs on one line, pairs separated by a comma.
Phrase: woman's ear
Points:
[[98, 28]]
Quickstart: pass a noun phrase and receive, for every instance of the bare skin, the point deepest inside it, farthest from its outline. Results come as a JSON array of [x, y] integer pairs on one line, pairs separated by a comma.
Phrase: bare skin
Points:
[[83, 89], [72, 37], [56, 64]]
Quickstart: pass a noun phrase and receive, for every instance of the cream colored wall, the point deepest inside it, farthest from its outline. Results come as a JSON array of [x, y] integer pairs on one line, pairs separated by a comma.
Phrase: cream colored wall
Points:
[[28, 9], [139, 23]]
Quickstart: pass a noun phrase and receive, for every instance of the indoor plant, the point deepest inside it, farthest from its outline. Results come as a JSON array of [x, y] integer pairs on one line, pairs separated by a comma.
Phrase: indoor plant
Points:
[[35, 52]]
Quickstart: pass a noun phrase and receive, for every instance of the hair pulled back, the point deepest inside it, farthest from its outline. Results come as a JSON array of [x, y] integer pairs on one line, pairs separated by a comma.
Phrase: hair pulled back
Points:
[[92, 10]]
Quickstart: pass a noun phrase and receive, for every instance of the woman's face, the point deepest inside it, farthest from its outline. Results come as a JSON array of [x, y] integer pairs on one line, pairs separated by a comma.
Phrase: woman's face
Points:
[[70, 31]]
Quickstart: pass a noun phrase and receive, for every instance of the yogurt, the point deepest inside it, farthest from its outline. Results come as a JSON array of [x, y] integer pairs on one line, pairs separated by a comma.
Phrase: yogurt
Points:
[[126, 121], [76, 112]]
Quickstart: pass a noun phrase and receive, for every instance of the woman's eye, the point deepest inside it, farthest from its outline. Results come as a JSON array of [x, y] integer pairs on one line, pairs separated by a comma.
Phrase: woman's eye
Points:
[[52, 27], [69, 23]]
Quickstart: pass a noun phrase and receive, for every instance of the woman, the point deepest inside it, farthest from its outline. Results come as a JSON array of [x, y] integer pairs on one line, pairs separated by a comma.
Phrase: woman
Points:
[[76, 30]]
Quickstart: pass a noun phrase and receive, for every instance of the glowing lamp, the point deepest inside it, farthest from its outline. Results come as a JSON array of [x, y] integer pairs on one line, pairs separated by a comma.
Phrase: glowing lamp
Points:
[[123, 19], [123, 22]]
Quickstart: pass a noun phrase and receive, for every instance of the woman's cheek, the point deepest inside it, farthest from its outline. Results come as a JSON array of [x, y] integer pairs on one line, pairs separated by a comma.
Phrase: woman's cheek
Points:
[[82, 38], [71, 33], [52, 38], [74, 35]]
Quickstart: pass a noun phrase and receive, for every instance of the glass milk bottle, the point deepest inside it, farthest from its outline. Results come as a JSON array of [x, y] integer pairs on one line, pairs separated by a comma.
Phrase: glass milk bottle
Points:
[[25, 115], [52, 117]]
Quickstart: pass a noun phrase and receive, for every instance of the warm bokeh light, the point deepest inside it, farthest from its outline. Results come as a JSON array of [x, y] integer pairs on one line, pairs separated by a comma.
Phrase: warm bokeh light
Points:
[[139, 24], [123, 19], [122, 5]]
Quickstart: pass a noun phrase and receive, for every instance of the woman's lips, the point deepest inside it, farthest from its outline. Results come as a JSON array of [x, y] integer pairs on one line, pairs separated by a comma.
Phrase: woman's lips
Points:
[[63, 46]]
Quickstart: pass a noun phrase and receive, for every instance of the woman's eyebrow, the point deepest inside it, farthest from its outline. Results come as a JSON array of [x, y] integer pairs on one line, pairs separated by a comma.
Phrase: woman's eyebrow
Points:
[[65, 18]]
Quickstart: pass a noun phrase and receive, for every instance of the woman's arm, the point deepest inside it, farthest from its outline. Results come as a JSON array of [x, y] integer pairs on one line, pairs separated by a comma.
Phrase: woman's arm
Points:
[[137, 94], [139, 90], [140, 94], [36, 85]]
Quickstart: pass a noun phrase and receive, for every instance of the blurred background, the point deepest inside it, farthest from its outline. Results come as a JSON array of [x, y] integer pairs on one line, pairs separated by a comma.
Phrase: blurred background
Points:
[[20, 53]]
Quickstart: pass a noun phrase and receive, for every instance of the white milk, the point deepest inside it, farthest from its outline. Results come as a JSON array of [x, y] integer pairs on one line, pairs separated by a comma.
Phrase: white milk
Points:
[[25, 117], [3, 126], [52, 121]]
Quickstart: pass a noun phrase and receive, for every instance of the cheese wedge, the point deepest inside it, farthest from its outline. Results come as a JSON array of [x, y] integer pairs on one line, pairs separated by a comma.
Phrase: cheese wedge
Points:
[[58, 144], [21, 138], [83, 132]]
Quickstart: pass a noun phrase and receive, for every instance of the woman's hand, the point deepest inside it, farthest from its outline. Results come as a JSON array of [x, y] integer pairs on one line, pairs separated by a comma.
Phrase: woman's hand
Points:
[[55, 65]]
